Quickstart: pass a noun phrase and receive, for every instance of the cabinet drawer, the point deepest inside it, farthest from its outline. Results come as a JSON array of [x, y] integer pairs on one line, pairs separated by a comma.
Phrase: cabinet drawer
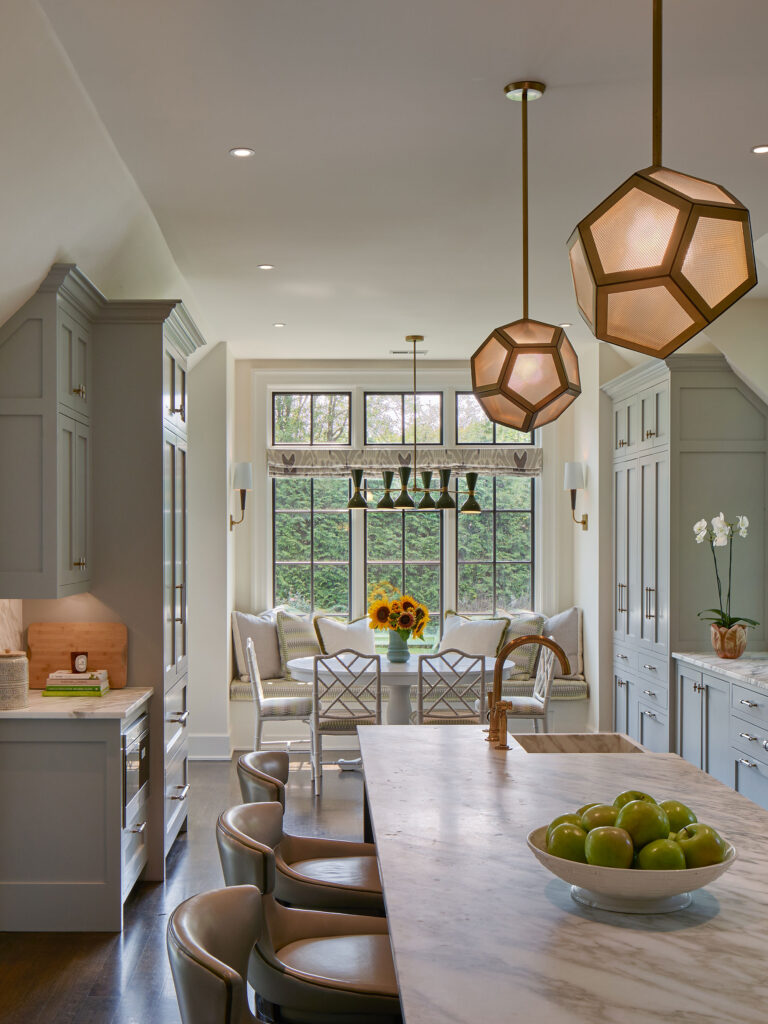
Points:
[[653, 669], [624, 659], [750, 737], [652, 693], [176, 793], [750, 704], [653, 729], [134, 846], [176, 716], [751, 778]]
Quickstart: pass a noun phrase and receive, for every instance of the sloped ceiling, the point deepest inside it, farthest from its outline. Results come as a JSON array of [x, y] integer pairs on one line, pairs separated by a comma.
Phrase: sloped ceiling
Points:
[[385, 185]]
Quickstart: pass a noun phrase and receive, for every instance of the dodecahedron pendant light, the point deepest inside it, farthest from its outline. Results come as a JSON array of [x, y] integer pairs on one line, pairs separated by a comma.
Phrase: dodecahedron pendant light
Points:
[[663, 255], [526, 373]]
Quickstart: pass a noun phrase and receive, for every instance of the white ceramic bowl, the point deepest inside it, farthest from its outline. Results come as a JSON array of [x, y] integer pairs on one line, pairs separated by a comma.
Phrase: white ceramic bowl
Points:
[[627, 890]]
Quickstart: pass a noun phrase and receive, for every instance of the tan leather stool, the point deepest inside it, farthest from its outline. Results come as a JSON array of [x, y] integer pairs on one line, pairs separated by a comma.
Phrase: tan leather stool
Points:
[[263, 775]]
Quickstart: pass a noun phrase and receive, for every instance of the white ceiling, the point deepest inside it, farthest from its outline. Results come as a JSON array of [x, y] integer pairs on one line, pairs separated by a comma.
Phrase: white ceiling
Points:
[[385, 185]]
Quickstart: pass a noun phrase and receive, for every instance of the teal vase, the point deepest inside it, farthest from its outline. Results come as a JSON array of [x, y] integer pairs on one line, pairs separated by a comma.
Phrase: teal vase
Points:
[[398, 648]]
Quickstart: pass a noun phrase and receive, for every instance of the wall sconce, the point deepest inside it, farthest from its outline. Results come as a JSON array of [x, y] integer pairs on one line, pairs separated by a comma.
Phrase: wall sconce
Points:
[[242, 480], [574, 481]]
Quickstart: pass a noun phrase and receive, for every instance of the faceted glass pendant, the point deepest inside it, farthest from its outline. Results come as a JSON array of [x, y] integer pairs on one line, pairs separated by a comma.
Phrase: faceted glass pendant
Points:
[[659, 259], [525, 374]]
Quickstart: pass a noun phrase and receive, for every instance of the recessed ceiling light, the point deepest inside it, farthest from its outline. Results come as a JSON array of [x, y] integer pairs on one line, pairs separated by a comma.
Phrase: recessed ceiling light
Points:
[[265, 266], [241, 151], [760, 149], [278, 325], [565, 325]]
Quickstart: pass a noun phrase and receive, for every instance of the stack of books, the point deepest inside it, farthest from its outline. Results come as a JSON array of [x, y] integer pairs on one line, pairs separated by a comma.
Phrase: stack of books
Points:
[[77, 684]]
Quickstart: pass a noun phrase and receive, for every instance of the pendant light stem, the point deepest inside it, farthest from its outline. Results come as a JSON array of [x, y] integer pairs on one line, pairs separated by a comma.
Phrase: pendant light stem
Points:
[[414, 410], [525, 200], [657, 73]]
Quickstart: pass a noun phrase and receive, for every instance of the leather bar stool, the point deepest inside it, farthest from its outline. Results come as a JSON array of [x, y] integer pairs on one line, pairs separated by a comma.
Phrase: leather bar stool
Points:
[[311, 966], [263, 775], [210, 938], [324, 874]]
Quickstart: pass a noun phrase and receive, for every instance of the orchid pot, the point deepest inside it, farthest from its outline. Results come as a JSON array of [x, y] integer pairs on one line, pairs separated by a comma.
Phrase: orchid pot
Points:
[[728, 643]]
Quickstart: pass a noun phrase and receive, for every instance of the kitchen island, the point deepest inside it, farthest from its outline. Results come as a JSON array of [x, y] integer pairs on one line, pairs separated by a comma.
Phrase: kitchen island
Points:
[[482, 932], [69, 855]]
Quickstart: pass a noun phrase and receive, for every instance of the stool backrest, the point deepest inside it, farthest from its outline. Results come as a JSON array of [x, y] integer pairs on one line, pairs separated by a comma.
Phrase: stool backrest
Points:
[[246, 836], [262, 775]]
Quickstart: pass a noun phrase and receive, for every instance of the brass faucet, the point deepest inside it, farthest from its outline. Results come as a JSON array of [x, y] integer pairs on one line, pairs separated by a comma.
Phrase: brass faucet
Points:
[[497, 717]]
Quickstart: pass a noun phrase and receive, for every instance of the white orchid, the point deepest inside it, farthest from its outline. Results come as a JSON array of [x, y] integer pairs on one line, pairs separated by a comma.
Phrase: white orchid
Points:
[[700, 527], [701, 537], [742, 523], [720, 540], [720, 526], [720, 535]]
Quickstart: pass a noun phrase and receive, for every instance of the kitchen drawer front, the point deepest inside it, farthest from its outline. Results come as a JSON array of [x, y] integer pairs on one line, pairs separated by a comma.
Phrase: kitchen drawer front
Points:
[[751, 778], [750, 704], [624, 659], [134, 845], [176, 793], [749, 737], [653, 729], [653, 669], [176, 716], [652, 693]]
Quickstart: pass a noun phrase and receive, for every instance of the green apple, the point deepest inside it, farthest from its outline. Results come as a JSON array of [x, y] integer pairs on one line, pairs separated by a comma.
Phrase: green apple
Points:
[[631, 794], [597, 815], [644, 821], [609, 847], [567, 841], [661, 855], [573, 819], [701, 845], [585, 807], [678, 813]]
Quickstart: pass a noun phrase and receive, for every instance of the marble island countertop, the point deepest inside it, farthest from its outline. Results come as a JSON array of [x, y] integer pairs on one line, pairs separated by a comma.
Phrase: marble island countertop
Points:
[[751, 667], [482, 932], [114, 704]]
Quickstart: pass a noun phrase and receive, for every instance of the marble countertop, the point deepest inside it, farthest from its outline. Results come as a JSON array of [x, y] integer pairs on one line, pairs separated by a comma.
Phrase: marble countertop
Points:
[[751, 667], [482, 932], [114, 704]]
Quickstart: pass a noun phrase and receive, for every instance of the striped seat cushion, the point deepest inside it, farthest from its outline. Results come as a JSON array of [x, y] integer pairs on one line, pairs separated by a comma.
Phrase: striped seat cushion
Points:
[[562, 689], [344, 724], [524, 706], [281, 707], [456, 720]]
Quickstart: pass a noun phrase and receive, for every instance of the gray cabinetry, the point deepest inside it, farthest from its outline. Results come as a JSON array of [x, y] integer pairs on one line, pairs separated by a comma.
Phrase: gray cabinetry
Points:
[[703, 703]]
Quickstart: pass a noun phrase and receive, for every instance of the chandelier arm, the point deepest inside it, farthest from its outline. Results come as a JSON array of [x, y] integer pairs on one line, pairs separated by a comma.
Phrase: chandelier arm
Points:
[[657, 80], [525, 200]]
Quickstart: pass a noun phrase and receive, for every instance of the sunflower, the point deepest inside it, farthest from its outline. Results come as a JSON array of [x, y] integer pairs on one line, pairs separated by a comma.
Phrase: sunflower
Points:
[[408, 604], [378, 613], [395, 607], [407, 620]]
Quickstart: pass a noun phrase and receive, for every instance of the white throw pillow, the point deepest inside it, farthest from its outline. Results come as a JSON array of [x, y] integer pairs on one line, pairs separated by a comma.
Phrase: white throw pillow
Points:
[[263, 631], [473, 636], [565, 629], [335, 635]]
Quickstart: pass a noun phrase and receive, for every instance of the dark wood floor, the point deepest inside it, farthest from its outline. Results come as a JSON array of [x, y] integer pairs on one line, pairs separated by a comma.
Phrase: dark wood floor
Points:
[[88, 978]]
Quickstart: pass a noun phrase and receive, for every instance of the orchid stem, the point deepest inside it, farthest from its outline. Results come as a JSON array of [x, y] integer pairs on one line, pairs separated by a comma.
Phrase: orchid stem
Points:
[[717, 577], [730, 564]]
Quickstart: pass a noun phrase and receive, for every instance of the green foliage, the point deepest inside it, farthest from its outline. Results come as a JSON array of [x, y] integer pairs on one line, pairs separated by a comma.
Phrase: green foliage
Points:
[[474, 427], [304, 418], [389, 418]]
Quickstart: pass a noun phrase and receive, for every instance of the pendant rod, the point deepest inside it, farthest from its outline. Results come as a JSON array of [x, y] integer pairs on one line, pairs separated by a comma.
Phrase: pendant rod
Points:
[[525, 201], [657, 73]]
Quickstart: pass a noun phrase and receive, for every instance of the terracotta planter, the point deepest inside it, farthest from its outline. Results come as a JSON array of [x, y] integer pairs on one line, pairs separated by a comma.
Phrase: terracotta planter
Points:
[[729, 643]]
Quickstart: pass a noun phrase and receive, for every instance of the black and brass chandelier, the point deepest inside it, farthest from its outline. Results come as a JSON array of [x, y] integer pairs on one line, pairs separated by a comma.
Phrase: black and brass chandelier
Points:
[[404, 501]]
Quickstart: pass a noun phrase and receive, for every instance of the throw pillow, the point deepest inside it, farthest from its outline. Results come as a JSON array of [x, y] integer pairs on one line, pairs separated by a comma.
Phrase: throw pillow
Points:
[[334, 635], [473, 636], [565, 629], [296, 638], [263, 631], [525, 657]]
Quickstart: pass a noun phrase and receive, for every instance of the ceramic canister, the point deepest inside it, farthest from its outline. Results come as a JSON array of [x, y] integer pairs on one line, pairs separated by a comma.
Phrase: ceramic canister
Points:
[[14, 680]]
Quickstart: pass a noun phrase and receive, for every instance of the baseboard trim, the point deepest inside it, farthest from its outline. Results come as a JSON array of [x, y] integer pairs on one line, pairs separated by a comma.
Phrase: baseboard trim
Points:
[[209, 747]]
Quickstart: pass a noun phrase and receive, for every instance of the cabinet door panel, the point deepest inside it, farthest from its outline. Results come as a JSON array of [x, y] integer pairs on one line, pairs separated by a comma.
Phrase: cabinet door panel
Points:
[[689, 716], [620, 550], [169, 589], [653, 415], [653, 730], [81, 526], [653, 518], [750, 778], [620, 721], [68, 571], [716, 757], [180, 559], [74, 363], [633, 581], [633, 723]]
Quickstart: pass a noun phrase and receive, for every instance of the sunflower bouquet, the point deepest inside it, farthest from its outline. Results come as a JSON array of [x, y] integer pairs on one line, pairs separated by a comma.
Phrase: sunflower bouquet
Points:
[[401, 613]]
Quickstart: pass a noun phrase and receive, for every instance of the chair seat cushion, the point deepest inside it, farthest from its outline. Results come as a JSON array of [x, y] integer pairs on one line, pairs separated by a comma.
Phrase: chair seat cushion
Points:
[[296, 707], [524, 706], [355, 963], [344, 724], [456, 720], [352, 872]]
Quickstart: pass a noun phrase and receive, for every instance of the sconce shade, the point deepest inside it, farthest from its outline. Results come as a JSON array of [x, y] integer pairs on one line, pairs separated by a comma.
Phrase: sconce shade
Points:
[[242, 476], [659, 259], [573, 477], [525, 374]]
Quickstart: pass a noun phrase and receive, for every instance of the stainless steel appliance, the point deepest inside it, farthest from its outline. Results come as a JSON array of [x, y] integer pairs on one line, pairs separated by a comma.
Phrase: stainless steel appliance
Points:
[[135, 764]]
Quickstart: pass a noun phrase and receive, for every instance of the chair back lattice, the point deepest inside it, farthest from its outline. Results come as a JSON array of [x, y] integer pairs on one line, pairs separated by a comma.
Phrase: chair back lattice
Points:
[[545, 675], [450, 686], [257, 690], [347, 687]]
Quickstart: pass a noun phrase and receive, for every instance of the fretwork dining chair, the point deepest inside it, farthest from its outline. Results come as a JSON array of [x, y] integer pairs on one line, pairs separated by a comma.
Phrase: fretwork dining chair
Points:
[[536, 707], [346, 692], [273, 708], [450, 689]]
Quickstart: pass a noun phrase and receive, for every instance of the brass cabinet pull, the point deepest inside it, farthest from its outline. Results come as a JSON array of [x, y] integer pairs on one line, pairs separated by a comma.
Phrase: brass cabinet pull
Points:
[[180, 618], [183, 794], [620, 682], [79, 391], [649, 693], [748, 703], [621, 444], [138, 829], [180, 409], [746, 736], [749, 764], [648, 613], [181, 718], [650, 433], [620, 587], [79, 564]]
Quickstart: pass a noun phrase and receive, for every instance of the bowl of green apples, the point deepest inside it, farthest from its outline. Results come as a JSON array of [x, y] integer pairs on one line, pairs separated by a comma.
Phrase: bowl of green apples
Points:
[[632, 856]]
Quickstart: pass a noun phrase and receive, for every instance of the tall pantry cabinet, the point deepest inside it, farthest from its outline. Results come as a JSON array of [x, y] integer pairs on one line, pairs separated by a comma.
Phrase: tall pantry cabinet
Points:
[[689, 441], [140, 469]]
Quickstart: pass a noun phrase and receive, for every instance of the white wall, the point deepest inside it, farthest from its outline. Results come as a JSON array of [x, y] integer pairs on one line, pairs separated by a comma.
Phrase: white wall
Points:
[[211, 568], [741, 334]]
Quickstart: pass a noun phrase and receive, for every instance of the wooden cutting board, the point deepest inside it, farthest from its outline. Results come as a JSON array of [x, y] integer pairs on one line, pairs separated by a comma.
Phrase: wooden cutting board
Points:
[[49, 645]]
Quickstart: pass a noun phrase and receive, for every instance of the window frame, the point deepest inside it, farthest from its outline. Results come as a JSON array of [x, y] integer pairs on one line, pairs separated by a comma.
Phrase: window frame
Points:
[[311, 443], [494, 562], [403, 443], [486, 444], [311, 563]]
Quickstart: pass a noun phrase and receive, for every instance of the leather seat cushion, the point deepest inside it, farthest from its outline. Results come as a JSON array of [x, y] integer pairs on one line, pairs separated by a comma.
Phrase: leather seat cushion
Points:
[[353, 872], [356, 963]]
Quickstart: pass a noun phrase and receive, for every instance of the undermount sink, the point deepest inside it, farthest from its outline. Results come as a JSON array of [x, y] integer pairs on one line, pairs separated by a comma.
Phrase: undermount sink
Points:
[[578, 743]]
